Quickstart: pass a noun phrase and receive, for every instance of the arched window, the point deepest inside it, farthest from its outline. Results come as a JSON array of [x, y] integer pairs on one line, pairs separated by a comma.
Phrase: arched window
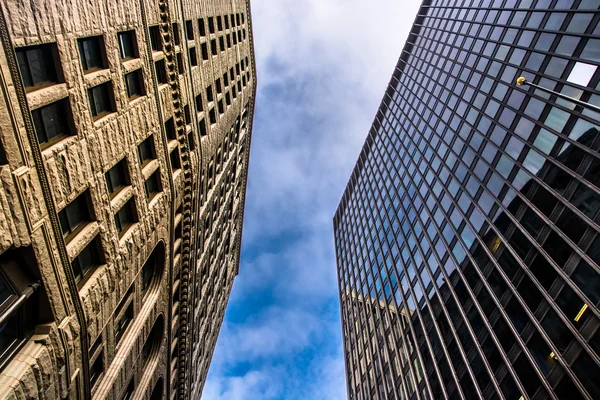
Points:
[[157, 392], [153, 340], [153, 268], [23, 302]]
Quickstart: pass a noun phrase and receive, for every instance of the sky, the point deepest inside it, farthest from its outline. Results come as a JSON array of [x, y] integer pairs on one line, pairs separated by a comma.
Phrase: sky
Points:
[[322, 66]]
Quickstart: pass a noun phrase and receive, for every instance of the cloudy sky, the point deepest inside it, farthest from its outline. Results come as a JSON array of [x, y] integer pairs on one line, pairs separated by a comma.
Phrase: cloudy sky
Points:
[[322, 66]]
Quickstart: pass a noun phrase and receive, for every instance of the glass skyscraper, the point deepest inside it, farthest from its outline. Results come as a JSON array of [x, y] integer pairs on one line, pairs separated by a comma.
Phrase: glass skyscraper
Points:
[[468, 236]]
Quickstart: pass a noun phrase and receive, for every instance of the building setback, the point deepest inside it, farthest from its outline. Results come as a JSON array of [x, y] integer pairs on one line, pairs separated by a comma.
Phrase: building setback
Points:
[[125, 132], [468, 236]]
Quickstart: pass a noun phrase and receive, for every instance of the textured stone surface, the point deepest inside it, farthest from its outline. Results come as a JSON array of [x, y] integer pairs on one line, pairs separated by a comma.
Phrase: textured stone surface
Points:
[[190, 296]]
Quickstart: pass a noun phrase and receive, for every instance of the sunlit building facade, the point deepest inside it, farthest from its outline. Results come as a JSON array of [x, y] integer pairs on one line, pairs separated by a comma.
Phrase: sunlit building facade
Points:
[[474, 208], [124, 141]]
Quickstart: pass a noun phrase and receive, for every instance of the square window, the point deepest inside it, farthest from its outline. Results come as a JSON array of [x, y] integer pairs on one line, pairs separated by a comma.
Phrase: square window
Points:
[[146, 151], [91, 52], [582, 73], [100, 98], [75, 215], [86, 261], [127, 45], [155, 39], [193, 56], [38, 65], [153, 185], [52, 121], [126, 217], [117, 178], [134, 84], [189, 30]]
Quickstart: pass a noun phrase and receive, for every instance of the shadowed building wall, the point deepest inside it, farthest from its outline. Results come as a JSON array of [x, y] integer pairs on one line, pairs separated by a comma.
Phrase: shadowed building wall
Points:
[[474, 205], [124, 141]]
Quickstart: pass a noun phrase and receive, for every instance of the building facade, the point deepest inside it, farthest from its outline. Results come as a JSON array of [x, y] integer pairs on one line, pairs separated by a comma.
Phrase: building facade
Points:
[[125, 133], [468, 236]]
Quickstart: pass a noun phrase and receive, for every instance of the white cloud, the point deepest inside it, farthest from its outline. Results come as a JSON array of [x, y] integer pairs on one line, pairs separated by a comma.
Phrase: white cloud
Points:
[[322, 66]]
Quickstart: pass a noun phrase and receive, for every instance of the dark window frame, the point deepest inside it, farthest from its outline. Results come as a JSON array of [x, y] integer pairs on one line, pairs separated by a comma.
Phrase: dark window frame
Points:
[[92, 53]]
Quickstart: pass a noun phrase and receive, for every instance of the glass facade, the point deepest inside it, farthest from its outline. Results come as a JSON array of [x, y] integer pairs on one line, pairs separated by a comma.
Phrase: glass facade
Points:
[[468, 237]]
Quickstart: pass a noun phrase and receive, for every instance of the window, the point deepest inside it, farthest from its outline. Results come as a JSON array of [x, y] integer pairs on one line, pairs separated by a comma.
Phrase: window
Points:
[[90, 51], [153, 185], [37, 65], [219, 23], [161, 72], [134, 84], [212, 116], [201, 27], [52, 121], [152, 269], [199, 106], [221, 43], [157, 392], [175, 160], [3, 160], [97, 369], [180, 64], [193, 57], [204, 49], [186, 114], [170, 129], [176, 37], [155, 39], [123, 315], [127, 45], [100, 100], [17, 268], [117, 178], [153, 341], [209, 93], [189, 30], [202, 127], [128, 395], [220, 106], [211, 24], [87, 260], [125, 217], [146, 150], [218, 85], [75, 215], [213, 47]]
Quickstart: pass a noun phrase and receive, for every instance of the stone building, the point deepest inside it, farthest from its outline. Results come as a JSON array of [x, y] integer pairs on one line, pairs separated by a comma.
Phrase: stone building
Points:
[[124, 141]]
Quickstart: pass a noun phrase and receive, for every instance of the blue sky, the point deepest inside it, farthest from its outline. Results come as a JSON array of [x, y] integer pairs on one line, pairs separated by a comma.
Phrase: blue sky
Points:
[[322, 67]]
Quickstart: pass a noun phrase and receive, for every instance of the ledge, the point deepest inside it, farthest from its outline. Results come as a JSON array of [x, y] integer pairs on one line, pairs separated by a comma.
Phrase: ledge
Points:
[[44, 96], [96, 78], [121, 198], [132, 65], [82, 239]]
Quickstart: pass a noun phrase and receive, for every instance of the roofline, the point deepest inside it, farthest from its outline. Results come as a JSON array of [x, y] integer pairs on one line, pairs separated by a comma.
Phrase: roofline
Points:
[[373, 131]]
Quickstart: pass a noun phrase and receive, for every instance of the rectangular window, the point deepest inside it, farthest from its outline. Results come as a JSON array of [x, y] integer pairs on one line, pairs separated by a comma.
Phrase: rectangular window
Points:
[[125, 319], [117, 178], [155, 39], [209, 93], [228, 98], [90, 50], [228, 37], [146, 150], [153, 185], [189, 30], [96, 370], [211, 24], [191, 141], [204, 49], [193, 56], [175, 160], [218, 85], [127, 45], [202, 127], [221, 43], [170, 129], [199, 106], [161, 72], [220, 106], [180, 64], [75, 215], [89, 258], [225, 79], [134, 84], [219, 23], [100, 100], [212, 115], [52, 121], [186, 114], [128, 395], [176, 37], [226, 21], [37, 65], [213, 47], [125, 217], [201, 27]]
